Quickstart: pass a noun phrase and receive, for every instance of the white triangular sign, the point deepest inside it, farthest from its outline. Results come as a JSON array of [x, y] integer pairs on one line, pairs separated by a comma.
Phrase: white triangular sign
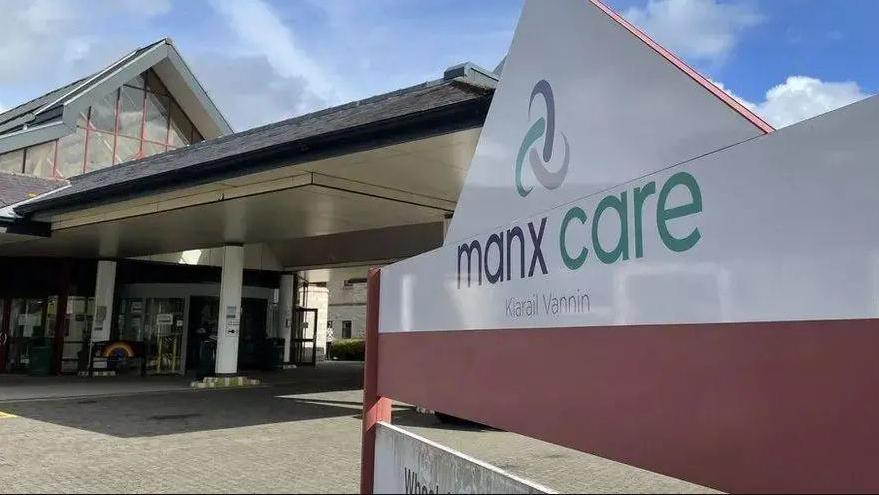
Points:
[[586, 102]]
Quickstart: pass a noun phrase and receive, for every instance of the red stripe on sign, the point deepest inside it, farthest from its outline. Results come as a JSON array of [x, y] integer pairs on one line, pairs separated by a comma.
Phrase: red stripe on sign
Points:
[[742, 407]]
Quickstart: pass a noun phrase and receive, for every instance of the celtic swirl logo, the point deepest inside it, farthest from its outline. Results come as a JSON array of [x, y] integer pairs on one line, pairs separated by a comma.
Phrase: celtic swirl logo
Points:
[[544, 126]]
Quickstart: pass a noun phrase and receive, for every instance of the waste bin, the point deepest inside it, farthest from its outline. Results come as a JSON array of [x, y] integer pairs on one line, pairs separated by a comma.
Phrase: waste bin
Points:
[[207, 359], [275, 361], [248, 354], [39, 358]]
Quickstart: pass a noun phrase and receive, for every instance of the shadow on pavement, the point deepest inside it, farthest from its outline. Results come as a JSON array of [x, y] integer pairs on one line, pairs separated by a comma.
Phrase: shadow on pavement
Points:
[[166, 413]]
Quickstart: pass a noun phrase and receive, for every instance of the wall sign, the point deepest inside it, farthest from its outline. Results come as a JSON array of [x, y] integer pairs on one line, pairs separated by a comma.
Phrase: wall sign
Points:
[[232, 320], [567, 220]]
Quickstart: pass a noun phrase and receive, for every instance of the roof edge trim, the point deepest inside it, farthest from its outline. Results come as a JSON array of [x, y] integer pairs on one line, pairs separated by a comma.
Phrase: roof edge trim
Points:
[[119, 67], [196, 86], [756, 120]]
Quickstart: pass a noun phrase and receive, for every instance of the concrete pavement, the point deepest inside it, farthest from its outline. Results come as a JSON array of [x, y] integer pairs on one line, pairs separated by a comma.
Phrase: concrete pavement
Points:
[[301, 433]]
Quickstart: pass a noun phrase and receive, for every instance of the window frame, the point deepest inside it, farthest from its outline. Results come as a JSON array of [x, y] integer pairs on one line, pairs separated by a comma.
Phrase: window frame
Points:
[[142, 138]]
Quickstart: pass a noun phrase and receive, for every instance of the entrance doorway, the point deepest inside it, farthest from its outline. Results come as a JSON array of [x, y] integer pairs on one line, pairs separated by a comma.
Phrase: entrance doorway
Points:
[[163, 336], [204, 312], [203, 321], [27, 326], [156, 325], [304, 350], [76, 328], [252, 334]]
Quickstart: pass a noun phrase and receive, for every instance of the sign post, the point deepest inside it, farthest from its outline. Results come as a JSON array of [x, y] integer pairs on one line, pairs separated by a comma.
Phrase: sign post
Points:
[[375, 407]]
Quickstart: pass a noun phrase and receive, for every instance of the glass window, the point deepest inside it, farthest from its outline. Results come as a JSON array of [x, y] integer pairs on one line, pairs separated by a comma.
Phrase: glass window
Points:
[[181, 127], [100, 151], [103, 115], [154, 84], [12, 161], [71, 154], [127, 149], [346, 329], [40, 159], [150, 149], [156, 121], [27, 318], [131, 112], [131, 312], [138, 120], [137, 82]]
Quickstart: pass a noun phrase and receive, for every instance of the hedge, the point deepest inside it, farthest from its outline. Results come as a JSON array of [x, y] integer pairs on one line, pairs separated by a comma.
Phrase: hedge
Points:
[[348, 350]]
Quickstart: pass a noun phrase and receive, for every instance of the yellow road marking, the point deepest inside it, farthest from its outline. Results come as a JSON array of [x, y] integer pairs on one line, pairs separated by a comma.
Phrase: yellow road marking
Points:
[[6, 415]]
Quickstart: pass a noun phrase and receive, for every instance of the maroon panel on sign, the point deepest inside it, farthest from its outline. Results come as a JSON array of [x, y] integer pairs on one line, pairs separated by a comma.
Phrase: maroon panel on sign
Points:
[[742, 407]]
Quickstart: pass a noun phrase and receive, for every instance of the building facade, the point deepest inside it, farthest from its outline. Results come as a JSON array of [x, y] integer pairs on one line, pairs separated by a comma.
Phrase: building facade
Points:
[[140, 234]]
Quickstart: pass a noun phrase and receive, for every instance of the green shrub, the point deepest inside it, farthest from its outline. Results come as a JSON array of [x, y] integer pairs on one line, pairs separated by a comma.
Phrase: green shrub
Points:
[[348, 350]]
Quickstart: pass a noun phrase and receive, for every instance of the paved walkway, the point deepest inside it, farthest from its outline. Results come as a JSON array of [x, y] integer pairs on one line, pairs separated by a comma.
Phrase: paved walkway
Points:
[[299, 434]]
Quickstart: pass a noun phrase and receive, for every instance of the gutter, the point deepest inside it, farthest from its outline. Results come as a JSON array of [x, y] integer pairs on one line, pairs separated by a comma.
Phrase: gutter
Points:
[[17, 226], [12, 223]]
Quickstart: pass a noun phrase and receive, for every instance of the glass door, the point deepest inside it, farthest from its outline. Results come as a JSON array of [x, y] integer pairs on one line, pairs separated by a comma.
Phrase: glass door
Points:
[[77, 332], [163, 335], [27, 325], [130, 319], [304, 337]]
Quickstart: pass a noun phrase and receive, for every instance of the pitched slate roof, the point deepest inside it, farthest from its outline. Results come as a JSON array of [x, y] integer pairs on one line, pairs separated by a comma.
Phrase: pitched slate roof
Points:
[[437, 107], [38, 102], [15, 188]]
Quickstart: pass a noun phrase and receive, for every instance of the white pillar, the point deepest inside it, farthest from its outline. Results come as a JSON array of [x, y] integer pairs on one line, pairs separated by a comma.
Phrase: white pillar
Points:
[[105, 285], [285, 311], [230, 310]]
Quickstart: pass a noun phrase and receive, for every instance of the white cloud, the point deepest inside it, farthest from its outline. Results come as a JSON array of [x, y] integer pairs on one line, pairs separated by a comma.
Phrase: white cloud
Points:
[[705, 30], [50, 42], [282, 59], [260, 32], [731, 93], [249, 91], [800, 98]]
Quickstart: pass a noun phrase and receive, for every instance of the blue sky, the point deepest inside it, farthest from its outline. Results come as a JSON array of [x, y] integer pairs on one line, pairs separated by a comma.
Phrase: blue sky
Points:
[[264, 60]]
